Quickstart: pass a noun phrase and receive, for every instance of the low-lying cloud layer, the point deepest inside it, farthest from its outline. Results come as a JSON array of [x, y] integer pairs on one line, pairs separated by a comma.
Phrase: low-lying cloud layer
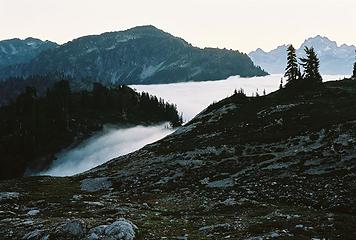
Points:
[[191, 98], [104, 146]]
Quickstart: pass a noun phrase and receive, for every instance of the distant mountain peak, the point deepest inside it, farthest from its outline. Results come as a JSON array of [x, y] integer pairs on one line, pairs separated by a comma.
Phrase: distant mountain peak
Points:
[[319, 42], [139, 55], [334, 59], [20, 51]]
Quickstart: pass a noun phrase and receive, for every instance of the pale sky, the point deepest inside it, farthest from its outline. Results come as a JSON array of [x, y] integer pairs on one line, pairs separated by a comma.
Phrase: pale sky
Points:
[[237, 24]]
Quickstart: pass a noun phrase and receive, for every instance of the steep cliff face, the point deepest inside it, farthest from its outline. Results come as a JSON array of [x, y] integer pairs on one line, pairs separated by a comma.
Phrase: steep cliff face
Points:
[[141, 55], [277, 166]]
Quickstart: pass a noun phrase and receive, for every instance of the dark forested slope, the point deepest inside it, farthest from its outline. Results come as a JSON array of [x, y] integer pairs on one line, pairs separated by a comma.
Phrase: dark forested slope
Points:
[[33, 128]]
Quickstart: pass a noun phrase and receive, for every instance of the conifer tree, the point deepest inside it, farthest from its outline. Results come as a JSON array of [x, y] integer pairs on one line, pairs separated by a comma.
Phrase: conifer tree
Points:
[[354, 72], [281, 84], [311, 66], [292, 65]]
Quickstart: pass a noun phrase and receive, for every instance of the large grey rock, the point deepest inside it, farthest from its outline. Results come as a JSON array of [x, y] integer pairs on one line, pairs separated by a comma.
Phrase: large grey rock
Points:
[[121, 229], [72, 228]]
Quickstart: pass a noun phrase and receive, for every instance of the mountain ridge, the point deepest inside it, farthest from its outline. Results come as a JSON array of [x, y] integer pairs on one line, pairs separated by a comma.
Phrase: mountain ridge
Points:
[[140, 55], [20, 51], [334, 58]]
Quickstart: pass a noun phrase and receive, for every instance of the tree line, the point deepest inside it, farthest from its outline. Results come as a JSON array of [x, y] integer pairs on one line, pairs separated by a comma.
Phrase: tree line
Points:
[[33, 128], [310, 76]]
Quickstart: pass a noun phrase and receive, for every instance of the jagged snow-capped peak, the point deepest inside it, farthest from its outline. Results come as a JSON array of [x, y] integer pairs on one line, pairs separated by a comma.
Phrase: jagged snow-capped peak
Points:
[[334, 58]]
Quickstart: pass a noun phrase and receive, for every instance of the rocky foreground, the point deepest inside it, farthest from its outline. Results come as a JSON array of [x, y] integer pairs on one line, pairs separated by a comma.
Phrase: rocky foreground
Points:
[[281, 166]]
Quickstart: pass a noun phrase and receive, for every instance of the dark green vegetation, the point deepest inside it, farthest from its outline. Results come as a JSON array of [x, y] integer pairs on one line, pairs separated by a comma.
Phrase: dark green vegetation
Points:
[[311, 76], [12, 87], [33, 128], [141, 55], [292, 70], [279, 166]]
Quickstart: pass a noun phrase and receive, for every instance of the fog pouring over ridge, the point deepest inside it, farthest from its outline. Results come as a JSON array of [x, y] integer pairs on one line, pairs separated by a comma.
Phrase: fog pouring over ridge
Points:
[[191, 98], [104, 146]]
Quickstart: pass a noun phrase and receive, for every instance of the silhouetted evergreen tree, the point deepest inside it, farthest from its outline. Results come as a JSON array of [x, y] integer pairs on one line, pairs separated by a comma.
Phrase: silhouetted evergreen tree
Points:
[[33, 128], [354, 72], [281, 84], [292, 65], [311, 66]]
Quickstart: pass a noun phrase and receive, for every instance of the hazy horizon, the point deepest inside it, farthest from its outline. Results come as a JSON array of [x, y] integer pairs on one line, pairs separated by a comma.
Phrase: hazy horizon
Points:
[[232, 24]]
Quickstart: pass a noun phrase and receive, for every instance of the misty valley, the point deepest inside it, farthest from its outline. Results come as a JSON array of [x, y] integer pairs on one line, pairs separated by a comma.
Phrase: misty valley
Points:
[[138, 134], [115, 141]]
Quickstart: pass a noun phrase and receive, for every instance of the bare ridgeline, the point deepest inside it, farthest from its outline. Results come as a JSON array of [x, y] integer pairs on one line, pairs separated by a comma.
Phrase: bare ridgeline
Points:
[[276, 166]]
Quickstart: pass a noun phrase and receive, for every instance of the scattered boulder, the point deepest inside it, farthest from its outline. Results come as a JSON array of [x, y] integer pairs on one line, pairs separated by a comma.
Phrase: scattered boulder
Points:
[[33, 212], [121, 229], [74, 228], [229, 202]]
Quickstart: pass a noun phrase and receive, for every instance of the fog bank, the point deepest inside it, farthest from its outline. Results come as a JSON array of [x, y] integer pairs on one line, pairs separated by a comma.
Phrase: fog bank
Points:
[[104, 146], [191, 98]]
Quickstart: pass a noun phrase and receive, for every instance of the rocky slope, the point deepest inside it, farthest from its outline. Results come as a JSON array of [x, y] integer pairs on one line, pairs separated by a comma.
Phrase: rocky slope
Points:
[[141, 55], [334, 59], [17, 51], [280, 166]]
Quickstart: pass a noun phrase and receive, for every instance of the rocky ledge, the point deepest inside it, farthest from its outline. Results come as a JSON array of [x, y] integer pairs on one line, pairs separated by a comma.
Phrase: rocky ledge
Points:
[[273, 167]]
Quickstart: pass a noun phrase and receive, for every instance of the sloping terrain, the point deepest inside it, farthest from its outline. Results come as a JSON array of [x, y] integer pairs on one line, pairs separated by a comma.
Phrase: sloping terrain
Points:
[[17, 51], [280, 166], [141, 55]]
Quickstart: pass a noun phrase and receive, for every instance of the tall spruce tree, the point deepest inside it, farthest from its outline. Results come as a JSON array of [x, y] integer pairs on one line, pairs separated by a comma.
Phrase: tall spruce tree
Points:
[[292, 70], [311, 66], [354, 72]]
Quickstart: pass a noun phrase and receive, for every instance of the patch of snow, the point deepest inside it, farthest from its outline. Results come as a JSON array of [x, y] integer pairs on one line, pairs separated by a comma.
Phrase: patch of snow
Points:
[[13, 49], [3, 50], [91, 50], [33, 44], [149, 71]]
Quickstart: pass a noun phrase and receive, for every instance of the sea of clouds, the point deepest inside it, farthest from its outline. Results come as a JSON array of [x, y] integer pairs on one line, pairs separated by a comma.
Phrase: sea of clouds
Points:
[[190, 98]]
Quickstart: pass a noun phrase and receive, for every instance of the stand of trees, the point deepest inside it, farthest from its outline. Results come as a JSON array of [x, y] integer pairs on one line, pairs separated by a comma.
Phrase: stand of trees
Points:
[[34, 128], [311, 76]]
